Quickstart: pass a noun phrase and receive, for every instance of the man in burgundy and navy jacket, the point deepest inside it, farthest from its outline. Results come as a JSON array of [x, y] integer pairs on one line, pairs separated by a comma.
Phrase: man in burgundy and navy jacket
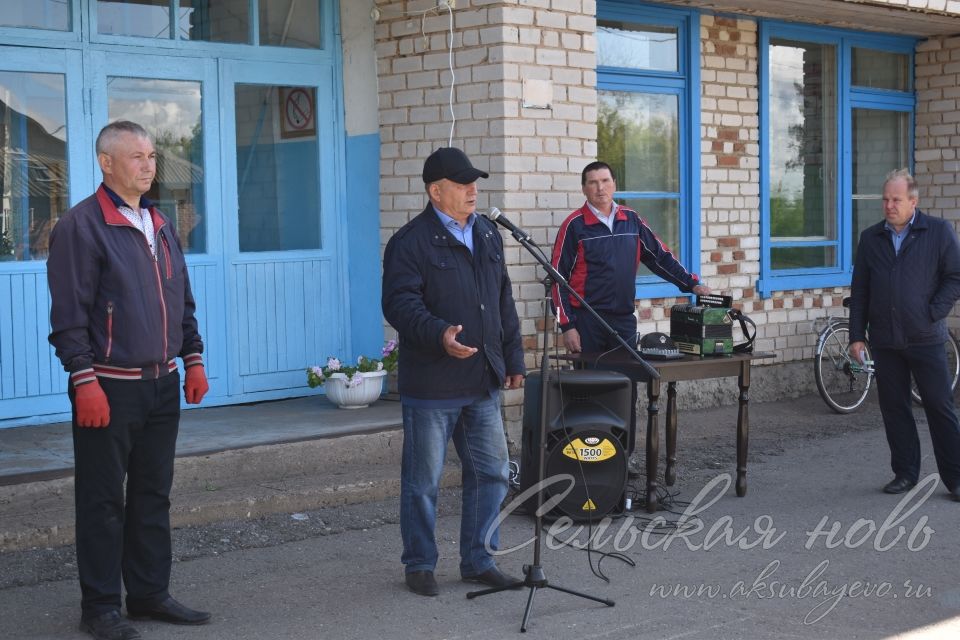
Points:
[[121, 312], [598, 250]]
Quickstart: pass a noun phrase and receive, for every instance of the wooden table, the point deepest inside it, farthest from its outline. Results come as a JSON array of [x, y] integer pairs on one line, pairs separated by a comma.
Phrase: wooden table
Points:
[[672, 371]]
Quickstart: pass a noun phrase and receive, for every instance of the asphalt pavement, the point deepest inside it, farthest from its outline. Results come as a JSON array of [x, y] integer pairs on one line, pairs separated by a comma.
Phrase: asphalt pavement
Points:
[[814, 550]]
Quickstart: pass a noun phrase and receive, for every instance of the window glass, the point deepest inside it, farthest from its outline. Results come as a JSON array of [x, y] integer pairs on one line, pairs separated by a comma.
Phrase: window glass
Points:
[[803, 150], [143, 18], [277, 168], [170, 110], [802, 257], [638, 134], [290, 23], [636, 46], [215, 21], [881, 142], [881, 69], [662, 215], [33, 162], [39, 14]]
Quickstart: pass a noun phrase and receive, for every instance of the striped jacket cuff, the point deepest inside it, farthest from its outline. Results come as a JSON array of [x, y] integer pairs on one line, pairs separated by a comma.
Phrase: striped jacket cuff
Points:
[[83, 376], [192, 360]]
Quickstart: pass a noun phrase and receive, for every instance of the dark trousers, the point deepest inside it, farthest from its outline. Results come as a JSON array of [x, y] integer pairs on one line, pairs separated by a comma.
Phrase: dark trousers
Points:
[[128, 536], [595, 339], [928, 365]]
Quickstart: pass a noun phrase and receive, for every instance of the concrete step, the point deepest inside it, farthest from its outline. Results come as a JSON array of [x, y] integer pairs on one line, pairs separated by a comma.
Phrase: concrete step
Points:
[[232, 462], [234, 484]]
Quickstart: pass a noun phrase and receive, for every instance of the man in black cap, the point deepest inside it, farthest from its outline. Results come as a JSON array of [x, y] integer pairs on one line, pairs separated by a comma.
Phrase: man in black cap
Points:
[[447, 292]]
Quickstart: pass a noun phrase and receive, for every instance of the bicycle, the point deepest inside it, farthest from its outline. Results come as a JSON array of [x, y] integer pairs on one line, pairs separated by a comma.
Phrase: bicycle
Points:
[[844, 383]]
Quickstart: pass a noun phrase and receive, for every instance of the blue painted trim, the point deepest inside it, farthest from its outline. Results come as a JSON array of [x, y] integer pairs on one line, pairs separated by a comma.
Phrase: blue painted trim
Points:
[[848, 98], [363, 243], [685, 84]]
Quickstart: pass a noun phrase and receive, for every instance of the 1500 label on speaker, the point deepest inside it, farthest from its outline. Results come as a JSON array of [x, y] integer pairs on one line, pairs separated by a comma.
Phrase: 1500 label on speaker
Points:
[[587, 429]]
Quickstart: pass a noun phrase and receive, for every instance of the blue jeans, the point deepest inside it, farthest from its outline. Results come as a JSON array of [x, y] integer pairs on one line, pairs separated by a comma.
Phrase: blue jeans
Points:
[[477, 431]]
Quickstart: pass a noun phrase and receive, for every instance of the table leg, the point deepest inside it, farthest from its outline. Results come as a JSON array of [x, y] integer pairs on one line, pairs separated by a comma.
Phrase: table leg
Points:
[[653, 443], [743, 428], [670, 474]]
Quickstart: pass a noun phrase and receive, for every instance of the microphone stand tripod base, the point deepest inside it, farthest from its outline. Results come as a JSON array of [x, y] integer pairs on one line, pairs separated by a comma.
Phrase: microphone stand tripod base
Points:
[[535, 578]]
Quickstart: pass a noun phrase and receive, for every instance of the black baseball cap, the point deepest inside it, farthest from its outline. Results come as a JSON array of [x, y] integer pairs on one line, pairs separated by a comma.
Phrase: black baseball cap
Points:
[[453, 164]]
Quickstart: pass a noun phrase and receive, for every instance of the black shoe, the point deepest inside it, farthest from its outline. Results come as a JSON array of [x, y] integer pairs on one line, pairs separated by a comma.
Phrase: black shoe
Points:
[[899, 484], [170, 611], [422, 583], [955, 494], [109, 626], [493, 577]]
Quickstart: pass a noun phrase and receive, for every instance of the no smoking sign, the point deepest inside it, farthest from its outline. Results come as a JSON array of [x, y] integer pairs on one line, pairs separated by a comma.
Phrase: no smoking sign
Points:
[[298, 109]]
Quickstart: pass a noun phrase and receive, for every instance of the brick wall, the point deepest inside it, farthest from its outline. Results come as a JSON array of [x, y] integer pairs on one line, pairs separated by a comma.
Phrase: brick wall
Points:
[[937, 134]]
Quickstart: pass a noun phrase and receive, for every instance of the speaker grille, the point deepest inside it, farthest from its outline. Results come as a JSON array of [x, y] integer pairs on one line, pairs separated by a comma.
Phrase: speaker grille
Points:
[[597, 461]]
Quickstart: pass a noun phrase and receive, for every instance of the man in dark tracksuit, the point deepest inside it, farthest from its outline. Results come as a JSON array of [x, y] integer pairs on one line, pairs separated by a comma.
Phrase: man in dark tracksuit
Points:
[[597, 250], [447, 292], [905, 282], [121, 312]]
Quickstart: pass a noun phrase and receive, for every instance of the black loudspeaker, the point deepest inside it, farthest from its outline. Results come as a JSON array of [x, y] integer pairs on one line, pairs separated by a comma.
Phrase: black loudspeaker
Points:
[[588, 423]]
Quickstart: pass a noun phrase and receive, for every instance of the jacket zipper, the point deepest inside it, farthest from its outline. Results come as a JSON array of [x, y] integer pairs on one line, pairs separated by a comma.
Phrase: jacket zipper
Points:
[[166, 256], [163, 310], [109, 330]]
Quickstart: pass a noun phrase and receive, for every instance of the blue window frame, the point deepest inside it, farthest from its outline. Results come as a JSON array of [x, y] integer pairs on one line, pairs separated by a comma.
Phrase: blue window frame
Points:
[[836, 114], [648, 122]]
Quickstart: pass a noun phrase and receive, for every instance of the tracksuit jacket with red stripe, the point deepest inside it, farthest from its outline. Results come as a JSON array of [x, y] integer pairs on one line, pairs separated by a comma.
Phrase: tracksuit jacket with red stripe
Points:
[[601, 265], [114, 305]]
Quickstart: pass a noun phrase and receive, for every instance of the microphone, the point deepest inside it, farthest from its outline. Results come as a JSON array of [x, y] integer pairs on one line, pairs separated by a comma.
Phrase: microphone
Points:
[[494, 215]]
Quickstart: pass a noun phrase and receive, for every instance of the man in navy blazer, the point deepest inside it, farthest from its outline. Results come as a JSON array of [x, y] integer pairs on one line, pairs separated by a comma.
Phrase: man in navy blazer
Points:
[[905, 282]]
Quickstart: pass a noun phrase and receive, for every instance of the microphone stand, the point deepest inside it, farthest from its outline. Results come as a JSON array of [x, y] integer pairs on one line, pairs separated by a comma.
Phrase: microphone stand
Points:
[[534, 576]]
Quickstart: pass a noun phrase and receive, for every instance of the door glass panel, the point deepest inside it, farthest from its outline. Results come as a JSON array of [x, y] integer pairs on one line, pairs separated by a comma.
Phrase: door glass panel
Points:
[[881, 69], [290, 23], [662, 215], [143, 18], [170, 110], [33, 162], [277, 168], [803, 150], [636, 46], [39, 14], [219, 21], [638, 134], [880, 145]]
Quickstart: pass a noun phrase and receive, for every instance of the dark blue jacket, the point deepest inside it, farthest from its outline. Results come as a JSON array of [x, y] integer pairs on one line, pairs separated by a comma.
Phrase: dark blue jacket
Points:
[[601, 265], [430, 282], [113, 304], [905, 298]]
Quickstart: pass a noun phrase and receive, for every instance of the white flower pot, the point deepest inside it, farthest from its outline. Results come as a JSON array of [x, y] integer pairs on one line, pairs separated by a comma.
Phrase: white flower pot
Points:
[[354, 397]]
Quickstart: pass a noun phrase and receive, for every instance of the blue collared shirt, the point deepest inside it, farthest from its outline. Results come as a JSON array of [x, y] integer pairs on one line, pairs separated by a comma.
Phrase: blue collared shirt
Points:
[[463, 234], [898, 238]]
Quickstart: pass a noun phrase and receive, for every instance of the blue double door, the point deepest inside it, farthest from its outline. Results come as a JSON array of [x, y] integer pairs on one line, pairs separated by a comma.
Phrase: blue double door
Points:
[[250, 168]]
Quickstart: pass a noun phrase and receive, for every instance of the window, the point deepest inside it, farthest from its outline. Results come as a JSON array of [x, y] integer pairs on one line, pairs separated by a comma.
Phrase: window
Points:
[[282, 23], [170, 110], [836, 116], [33, 162], [277, 188], [648, 123], [36, 14]]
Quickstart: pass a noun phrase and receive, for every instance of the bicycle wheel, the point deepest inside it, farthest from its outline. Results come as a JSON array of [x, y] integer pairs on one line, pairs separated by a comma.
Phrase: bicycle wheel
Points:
[[953, 365], [842, 384]]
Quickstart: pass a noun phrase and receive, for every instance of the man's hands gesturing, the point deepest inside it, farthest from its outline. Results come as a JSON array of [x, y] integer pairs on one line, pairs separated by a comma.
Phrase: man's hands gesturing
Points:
[[454, 348]]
